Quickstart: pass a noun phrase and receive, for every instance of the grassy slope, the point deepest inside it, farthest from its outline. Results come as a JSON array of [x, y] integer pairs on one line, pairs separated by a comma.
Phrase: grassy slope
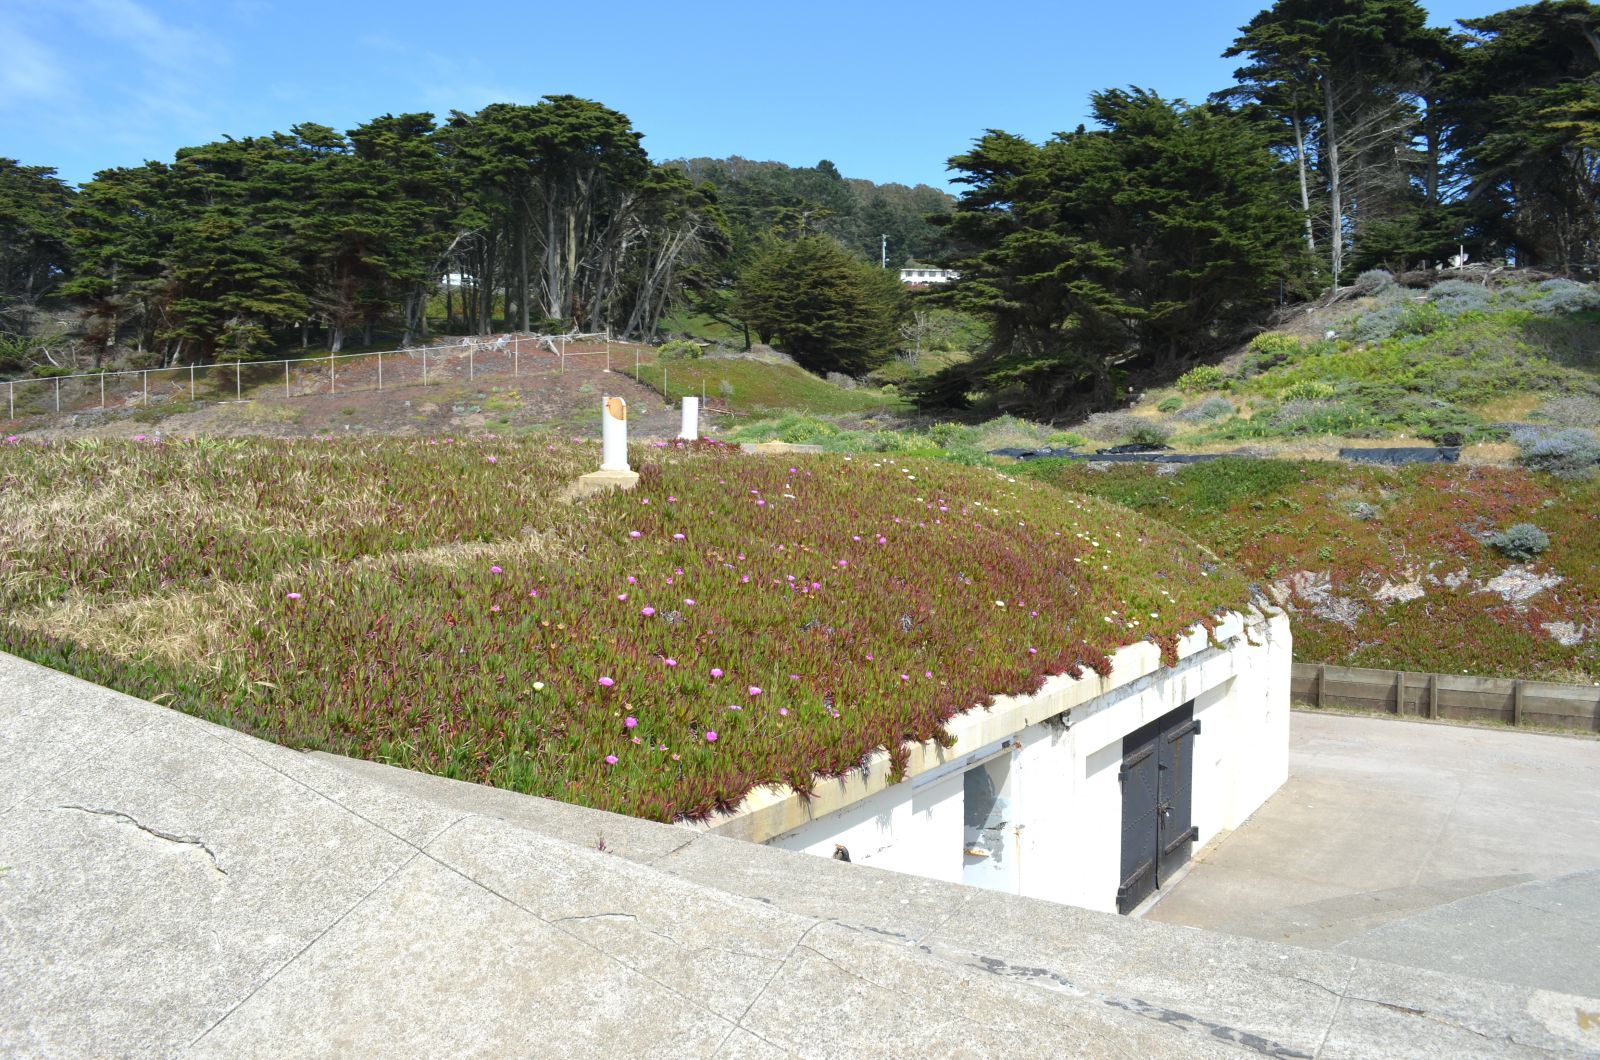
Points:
[[759, 386], [1452, 374], [454, 616], [1272, 519]]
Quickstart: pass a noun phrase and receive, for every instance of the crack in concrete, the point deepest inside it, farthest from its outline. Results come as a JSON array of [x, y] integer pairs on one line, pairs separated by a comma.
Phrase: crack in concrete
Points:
[[170, 837], [1139, 1007], [626, 917]]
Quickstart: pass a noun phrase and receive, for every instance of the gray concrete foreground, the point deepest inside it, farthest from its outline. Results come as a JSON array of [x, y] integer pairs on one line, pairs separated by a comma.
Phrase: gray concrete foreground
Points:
[[168, 886], [1465, 850]]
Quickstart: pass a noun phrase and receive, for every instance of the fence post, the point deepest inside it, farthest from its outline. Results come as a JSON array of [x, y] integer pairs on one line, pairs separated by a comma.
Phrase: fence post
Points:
[[102, 390], [1399, 693], [636, 362], [58, 393], [380, 371], [1433, 695], [144, 401], [286, 380], [1516, 702], [11, 400], [330, 373], [424, 366], [238, 382], [608, 351], [191, 382], [516, 357], [1322, 685]]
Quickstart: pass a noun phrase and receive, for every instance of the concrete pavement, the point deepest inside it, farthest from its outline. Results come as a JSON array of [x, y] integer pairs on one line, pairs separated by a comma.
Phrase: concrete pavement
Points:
[[168, 886], [1465, 850]]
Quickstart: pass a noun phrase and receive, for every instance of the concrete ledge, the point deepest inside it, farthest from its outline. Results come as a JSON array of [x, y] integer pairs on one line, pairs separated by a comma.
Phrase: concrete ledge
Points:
[[600, 482], [168, 886]]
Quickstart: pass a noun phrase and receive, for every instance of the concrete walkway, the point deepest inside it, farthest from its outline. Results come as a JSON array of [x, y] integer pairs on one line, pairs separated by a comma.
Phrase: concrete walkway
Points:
[[1465, 850], [171, 887]]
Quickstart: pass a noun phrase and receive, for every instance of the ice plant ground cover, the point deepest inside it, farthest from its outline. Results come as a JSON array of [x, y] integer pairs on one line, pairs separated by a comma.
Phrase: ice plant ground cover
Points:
[[1392, 567], [734, 621]]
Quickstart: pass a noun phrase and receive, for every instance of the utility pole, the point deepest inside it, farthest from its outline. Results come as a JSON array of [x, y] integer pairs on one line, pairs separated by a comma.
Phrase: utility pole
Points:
[[885, 252]]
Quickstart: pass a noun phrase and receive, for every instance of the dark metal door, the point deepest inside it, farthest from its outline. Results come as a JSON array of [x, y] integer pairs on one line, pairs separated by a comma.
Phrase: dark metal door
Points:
[[1157, 779]]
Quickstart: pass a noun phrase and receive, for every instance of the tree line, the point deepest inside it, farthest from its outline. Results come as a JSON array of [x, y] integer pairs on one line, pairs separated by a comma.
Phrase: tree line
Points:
[[538, 216], [1355, 137]]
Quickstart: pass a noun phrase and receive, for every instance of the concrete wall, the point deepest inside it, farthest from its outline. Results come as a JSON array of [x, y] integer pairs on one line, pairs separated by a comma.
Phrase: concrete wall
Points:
[[1061, 796]]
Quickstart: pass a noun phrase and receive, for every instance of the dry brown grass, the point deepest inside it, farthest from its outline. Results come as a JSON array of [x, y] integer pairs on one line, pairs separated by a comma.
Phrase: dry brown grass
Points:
[[178, 628]]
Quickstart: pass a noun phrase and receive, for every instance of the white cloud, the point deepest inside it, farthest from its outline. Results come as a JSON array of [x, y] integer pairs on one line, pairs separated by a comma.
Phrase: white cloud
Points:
[[31, 71]]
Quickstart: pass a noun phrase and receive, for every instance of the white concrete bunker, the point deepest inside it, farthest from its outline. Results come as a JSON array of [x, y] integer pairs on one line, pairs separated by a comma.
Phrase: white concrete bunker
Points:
[[1091, 792]]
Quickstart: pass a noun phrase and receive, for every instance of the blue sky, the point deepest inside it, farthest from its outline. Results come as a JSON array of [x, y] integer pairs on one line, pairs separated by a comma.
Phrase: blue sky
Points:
[[887, 91]]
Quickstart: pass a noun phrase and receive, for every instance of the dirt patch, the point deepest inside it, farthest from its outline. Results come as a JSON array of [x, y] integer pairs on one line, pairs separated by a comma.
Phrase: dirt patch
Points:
[[541, 399]]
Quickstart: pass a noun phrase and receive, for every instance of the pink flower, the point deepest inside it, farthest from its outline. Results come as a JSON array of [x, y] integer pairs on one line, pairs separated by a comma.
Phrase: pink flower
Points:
[[844, 563], [711, 736], [927, 673], [794, 677], [672, 500], [622, 596], [492, 460], [688, 601], [1033, 651], [744, 579], [637, 740], [905, 677], [783, 711], [496, 570], [632, 580], [677, 537], [635, 534], [294, 596], [606, 682], [753, 690], [645, 501], [672, 662], [611, 760], [494, 609], [716, 671], [761, 503], [631, 722], [647, 611], [533, 592], [869, 656]]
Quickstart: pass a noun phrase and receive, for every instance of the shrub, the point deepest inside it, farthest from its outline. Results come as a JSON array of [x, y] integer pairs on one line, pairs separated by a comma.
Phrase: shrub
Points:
[[1564, 296], [678, 350], [1374, 280], [725, 388], [1201, 378], [1455, 297], [1569, 453], [1379, 324], [1521, 542], [1125, 427], [1170, 404], [1573, 410], [1210, 409], [1308, 390], [1363, 512]]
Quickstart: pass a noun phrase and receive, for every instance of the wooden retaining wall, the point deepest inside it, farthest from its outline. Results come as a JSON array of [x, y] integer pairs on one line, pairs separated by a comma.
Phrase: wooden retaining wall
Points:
[[1448, 696]]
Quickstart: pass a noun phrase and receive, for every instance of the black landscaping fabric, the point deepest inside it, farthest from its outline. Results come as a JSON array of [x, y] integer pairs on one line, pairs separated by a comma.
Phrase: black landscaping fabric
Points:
[[1124, 454], [1404, 455]]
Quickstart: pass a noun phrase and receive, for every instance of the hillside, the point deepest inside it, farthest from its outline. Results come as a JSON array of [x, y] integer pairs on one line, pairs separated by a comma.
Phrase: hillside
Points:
[[1391, 568], [1455, 361], [433, 603]]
